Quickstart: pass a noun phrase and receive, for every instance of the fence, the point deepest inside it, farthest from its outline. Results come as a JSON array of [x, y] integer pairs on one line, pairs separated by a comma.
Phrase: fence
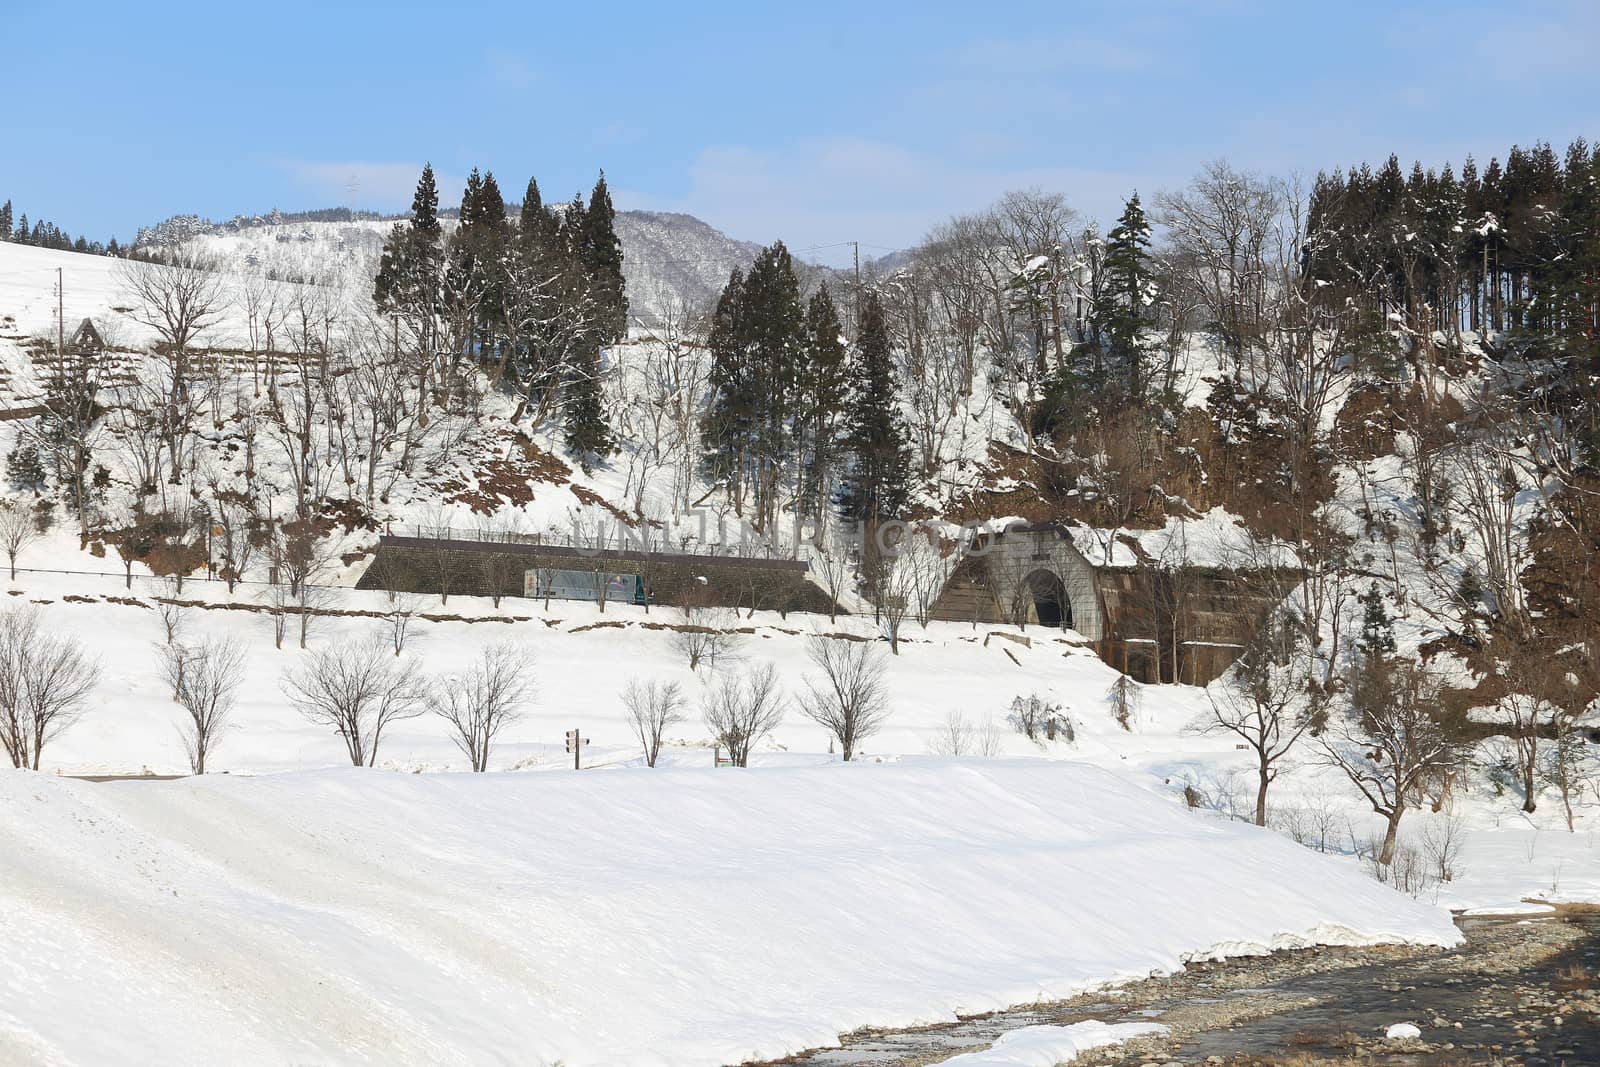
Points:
[[621, 537]]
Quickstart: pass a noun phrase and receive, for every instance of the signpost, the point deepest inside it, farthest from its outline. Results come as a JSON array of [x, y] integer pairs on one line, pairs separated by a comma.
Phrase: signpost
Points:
[[575, 745]]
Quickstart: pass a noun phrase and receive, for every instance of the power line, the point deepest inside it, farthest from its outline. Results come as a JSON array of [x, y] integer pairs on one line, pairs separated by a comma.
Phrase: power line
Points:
[[819, 248]]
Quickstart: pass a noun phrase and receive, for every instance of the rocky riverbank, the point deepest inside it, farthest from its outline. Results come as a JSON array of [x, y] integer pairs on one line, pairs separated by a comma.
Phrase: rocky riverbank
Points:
[[1518, 993]]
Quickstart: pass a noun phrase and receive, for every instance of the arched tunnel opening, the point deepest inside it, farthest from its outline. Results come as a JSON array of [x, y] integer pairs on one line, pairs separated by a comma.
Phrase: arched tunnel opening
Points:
[[1050, 603]]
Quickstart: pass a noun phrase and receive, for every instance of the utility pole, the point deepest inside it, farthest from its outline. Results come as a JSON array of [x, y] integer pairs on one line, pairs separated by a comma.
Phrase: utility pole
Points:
[[855, 298], [61, 320]]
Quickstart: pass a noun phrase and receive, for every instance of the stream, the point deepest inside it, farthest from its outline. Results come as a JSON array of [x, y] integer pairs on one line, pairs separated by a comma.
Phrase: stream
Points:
[[1519, 991]]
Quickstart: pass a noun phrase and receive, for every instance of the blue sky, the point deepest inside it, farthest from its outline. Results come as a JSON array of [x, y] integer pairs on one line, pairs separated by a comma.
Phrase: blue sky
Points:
[[815, 122]]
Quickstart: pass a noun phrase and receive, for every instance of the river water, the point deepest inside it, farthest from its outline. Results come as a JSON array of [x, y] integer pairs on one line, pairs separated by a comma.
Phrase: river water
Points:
[[1518, 992]]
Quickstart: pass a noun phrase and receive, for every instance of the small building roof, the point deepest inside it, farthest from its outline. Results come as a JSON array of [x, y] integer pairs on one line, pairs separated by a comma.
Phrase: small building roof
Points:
[[86, 338]]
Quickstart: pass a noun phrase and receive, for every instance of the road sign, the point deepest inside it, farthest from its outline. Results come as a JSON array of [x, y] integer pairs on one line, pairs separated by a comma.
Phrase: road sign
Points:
[[575, 744]]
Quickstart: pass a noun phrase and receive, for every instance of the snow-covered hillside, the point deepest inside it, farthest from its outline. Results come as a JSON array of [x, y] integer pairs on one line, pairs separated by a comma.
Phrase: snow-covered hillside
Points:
[[671, 261], [94, 287], [671, 258], [642, 918]]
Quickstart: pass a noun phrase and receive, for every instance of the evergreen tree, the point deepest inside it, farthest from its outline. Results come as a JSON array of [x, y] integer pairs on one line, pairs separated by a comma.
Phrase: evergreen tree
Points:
[[410, 271], [601, 252], [1377, 630], [494, 238], [24, 469], [878, 482], [546, 302], [1127, 289], [491, 204], [476, 274], [758, 343], [822, 388], [536, 226], [5, 221], [730, 409], [462, 276], [469, 198], [774, 328], [23, 234], [425, 207], [571, 225], [587, 431]]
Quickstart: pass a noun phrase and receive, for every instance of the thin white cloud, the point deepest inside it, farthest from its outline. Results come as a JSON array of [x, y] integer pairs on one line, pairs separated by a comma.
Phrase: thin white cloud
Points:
[[506, 70], [822, 191], [1053, 55], [365, 184]]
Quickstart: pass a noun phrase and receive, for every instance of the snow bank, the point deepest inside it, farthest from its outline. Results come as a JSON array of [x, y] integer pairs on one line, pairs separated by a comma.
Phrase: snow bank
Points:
[[666, 917], [1216, 538], [1046, 1046]]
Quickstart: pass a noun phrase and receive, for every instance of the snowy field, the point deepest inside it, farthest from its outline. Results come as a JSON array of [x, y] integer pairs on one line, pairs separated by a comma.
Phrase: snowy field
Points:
[[582, 659], [92, 287], [674, 917]]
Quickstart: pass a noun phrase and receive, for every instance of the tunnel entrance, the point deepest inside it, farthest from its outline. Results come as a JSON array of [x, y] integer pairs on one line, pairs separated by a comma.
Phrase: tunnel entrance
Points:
[[1050, 604]]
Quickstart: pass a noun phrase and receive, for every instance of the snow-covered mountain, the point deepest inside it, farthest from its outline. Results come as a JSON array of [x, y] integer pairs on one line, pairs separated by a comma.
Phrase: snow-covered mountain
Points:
[[667, 255], [669, 259]]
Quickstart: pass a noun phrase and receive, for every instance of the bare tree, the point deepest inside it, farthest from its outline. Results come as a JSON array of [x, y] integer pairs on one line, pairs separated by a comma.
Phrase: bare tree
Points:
[[173, 543], [207, 689], [18, 530], [900, 577], [386, 427], [707, 637], [912, 575], [592, 536], [173, 662], [1569, 767], [500, 570], [742, 709], [301, 556], [954, 736], [1124, 696], [397, 620], [314, 601], [179, 299], [278, 600], [1263, 701], [1389, 742], [1530, 716], [653, 708], [830, 562], [173, 613], [674, 374], [258, 299], [359, 690], [1040, 719], [1220, 228], [236, 525], [849, 697], [45, 682], [482, 702], [1489, 487], [440, 549], [300, 404]]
